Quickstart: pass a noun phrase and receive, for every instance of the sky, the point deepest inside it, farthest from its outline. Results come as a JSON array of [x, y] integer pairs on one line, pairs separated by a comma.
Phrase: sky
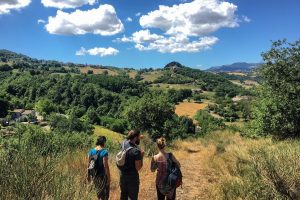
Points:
[[147, 33]]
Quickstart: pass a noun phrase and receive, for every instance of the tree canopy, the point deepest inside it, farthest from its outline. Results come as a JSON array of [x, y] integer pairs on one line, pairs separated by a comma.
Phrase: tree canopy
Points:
[[277, 111]]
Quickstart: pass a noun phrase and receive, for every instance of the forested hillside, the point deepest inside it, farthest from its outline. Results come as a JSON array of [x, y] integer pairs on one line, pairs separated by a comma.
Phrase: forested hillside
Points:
[[239, 139]]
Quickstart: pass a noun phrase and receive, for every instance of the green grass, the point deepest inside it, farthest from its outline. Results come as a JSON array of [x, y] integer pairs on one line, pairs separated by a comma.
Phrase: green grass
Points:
[[109, 134]]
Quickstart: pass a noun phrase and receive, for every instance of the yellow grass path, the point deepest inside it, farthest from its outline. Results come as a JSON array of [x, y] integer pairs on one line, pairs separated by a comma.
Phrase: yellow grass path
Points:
[[197, 180]]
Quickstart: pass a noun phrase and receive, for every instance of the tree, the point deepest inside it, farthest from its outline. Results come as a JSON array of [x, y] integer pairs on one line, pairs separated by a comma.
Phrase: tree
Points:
[[45, 107], [92, 115], [277, 111], [207, 122], [4, 106], [150, 113], [5, 67]]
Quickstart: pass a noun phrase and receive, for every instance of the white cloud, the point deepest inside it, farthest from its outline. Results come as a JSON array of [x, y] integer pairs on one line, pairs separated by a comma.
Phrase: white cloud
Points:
[[145, 36], [7, 5], [145, 41], [61, 4], [97, 51], [41, 21], [138, 14], [246, 19], [129, 19], [196, 18], [100, 21]]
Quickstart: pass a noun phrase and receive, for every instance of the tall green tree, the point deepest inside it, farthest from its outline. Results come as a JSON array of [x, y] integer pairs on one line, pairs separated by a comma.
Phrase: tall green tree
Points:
[[45, 107], [4, 106], [277, 111], [150, 113]]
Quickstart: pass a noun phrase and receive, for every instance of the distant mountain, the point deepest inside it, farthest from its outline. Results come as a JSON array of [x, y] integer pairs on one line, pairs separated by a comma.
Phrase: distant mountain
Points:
[[173, 65], [235, 67]]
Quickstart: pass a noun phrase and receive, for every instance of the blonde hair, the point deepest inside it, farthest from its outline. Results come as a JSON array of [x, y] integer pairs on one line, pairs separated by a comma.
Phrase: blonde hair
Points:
[[161, 142]]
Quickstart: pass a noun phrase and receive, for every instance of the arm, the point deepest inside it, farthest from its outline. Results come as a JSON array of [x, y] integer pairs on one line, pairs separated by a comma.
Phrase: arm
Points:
[[138, 159], [153, 165], [106, 168], [138, 164]]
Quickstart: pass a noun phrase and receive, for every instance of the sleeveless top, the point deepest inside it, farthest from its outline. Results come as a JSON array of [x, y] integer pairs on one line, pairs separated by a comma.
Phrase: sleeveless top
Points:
[[161, 167]]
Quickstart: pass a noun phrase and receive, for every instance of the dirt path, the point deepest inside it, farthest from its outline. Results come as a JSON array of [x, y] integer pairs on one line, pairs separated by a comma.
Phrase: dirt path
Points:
[[197, 180]]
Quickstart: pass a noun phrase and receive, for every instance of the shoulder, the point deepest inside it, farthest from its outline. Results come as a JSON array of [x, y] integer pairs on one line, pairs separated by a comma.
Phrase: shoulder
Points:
[[135, 151], [155, 157], [92, 152], [104, 152]]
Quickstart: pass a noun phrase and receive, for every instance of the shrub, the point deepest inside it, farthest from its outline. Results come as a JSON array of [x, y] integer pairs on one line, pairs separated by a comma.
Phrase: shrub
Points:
[[117, 125], [207, 122]]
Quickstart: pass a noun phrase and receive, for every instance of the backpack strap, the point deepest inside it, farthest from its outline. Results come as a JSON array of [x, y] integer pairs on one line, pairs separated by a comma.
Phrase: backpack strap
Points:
[[127, 149]]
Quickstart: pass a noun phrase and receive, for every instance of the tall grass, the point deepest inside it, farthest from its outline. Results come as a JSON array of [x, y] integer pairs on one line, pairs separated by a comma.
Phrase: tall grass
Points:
[[31, 166], [257, 169]]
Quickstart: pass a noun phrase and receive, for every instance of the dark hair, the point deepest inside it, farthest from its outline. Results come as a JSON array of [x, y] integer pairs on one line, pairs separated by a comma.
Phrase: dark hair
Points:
[[101, 140], [132, 134], [161, 142]]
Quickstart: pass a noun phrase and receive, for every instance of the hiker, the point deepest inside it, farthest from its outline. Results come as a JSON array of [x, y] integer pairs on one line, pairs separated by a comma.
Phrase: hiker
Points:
[[129, 171], [98, 169], [161, 162]]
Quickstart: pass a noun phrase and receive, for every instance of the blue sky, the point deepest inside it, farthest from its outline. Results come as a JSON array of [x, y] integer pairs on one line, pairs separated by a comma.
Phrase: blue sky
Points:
[[198, 33]]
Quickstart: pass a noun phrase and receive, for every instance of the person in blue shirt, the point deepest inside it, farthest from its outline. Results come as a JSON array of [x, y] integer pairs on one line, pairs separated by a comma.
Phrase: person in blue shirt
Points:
[[101, 173]]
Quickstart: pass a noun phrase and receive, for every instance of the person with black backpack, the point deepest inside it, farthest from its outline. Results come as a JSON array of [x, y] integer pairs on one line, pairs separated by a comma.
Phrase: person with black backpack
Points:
[[130, 161], [98, 169], [168, 176]]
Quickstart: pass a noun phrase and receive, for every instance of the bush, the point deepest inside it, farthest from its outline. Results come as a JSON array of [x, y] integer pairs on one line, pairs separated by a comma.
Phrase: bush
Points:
[[117, 125], [207, 122]]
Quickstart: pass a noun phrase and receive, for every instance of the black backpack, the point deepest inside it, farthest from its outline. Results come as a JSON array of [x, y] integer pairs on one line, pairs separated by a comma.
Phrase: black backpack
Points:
[[174, 177], [95, 165]]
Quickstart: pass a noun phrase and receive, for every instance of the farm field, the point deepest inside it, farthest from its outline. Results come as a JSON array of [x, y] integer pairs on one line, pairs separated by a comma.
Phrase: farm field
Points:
[[132, 73], [98, 71], [114, 136], [175, 86], [189, 108], [151, 76], [237, 73]]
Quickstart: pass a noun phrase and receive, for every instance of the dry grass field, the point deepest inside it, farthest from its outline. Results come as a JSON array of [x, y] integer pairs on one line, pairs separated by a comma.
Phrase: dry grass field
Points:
[[222, 165], [237, 73], [175, 86], [132, 73], [247, 84], [98, 71], [189, 108], [151, 76]]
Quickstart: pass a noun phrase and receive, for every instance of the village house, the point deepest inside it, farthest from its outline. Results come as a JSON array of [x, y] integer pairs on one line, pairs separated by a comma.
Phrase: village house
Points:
[[22, 114]]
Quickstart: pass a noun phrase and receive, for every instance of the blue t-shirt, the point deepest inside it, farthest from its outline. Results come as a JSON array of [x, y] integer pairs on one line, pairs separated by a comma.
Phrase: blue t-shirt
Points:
[[102, 153]]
